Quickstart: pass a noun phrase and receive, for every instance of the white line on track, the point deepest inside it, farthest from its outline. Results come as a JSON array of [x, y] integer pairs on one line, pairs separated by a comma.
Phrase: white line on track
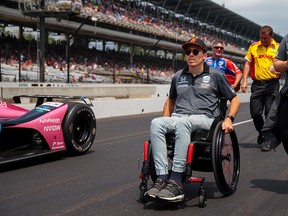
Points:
[[243, 122]]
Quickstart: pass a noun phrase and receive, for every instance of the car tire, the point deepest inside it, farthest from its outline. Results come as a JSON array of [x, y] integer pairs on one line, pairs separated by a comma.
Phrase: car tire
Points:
[[79, 128]]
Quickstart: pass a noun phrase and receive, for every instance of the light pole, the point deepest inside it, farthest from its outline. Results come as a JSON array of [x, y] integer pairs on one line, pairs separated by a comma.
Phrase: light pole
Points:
[[68, 39], [148, 68]]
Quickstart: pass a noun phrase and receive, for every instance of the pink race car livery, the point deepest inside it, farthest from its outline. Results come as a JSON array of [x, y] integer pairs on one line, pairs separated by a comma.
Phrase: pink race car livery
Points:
[[52, 126]]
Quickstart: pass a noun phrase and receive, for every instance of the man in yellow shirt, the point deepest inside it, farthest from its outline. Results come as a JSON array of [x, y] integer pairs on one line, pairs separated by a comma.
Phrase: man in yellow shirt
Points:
[[265, 86]]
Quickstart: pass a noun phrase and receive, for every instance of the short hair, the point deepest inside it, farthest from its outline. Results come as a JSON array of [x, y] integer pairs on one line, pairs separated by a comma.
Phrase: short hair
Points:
[[266, 29], [218, 41]]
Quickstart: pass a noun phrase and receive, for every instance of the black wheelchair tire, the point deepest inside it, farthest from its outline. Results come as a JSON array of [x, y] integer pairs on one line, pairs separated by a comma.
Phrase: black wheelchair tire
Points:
[[225, 187], [79, 128], [142, 197]]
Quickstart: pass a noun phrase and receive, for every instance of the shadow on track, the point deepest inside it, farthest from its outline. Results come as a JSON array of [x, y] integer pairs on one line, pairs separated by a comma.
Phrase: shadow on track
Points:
[[272, 185]]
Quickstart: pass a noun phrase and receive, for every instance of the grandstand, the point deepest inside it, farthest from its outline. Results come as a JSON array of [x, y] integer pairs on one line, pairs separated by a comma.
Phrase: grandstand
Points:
[[153, 31]]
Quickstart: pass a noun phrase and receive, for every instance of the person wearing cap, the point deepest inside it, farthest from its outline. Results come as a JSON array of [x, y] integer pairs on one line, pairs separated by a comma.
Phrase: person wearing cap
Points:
[[228, 67], [192, 104]]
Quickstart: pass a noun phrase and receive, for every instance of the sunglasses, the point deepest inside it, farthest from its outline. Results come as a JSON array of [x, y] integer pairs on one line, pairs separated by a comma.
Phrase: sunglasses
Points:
[[219, 47], [194, 51], [263, 38]]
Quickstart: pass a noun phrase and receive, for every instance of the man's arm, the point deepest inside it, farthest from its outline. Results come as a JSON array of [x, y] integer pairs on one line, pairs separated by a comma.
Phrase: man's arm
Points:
[[280, 66], [246, 71], [238, 73], [227, 125], [280, 62], [237, 80], [168, 107]]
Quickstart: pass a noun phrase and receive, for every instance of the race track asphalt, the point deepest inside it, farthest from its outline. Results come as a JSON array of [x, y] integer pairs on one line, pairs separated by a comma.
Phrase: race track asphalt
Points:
[[105, 181]]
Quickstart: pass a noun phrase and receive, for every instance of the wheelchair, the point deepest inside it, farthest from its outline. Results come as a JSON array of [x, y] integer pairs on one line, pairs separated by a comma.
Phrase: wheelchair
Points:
[[209, 151]]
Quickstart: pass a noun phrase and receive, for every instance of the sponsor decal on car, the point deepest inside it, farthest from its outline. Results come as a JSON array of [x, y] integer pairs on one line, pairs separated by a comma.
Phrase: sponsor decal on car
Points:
[[49, 120], [3, 104], [57, 145], [52, 128], [53, 104], [43, 109]]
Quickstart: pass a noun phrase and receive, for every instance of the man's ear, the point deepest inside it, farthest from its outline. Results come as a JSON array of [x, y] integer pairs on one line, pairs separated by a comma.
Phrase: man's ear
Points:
[[205, 56]]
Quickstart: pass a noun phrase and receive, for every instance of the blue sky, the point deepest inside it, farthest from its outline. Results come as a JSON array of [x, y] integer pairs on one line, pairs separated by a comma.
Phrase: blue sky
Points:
[[262, 12]]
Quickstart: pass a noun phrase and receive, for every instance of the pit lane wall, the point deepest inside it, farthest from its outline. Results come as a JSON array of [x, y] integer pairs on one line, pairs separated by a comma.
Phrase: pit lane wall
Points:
[[108, 100], [91, 91]]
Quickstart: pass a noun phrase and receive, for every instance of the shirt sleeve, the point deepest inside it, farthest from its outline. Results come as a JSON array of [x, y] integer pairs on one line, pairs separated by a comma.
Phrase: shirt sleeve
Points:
[[248, 56], [173, 87], [232, 66], [225, 88], [282, 50]]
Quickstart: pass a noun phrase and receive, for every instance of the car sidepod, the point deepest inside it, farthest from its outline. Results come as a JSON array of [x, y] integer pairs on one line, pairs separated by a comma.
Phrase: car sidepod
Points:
[[35, 133]]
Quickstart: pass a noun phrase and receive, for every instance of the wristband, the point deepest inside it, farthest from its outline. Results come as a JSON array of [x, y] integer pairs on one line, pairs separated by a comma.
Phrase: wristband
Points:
[[230, 117]]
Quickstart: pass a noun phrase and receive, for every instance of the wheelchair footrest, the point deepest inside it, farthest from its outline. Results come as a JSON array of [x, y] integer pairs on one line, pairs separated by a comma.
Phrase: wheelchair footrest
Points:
[[196, 179]]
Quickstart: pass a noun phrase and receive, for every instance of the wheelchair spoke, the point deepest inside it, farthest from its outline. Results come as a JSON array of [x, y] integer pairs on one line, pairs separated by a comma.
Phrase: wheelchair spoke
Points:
[[227, 159], [227, 171]]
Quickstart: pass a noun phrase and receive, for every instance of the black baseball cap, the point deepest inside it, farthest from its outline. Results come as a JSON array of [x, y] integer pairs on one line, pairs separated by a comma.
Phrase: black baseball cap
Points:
[[195, 41]]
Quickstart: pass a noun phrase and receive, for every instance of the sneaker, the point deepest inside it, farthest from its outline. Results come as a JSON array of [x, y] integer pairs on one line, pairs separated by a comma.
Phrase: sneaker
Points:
[[172, 192], [268, 145], [260, 139], [156, 188]]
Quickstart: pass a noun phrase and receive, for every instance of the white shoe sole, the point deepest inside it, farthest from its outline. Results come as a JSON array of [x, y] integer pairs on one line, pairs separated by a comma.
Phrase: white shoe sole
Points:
[[178, 198]]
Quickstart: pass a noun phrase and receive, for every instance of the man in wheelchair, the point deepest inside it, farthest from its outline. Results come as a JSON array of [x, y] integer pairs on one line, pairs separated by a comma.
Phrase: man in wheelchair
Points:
[[192, 104]]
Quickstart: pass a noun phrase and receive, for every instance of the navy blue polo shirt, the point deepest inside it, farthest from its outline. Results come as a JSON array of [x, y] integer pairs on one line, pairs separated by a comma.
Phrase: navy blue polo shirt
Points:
[[200, 94]]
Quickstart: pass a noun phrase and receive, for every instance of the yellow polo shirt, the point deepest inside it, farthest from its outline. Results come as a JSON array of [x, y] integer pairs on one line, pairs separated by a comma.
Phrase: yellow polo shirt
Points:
[[262, 58]]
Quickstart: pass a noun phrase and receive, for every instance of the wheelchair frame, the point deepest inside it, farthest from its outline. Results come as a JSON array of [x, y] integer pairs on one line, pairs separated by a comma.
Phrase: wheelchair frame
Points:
[[209, 151]]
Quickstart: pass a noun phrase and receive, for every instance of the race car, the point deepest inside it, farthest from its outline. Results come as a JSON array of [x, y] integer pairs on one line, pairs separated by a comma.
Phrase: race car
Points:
[[55, 124]]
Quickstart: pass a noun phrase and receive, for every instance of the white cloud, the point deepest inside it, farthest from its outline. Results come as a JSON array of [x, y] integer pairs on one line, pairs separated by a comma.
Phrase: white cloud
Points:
[[262, 12]]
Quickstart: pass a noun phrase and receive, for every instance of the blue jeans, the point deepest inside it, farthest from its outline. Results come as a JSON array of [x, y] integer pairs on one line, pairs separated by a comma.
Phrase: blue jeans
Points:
[[182, 126]]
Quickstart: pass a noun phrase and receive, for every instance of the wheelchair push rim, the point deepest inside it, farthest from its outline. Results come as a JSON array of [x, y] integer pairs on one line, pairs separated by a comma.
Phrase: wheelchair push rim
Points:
[[225, 160]]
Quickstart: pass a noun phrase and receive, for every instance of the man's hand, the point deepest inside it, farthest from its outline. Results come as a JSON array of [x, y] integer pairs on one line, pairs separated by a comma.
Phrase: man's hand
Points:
[[272, 70], [227, 126], [244, 86]]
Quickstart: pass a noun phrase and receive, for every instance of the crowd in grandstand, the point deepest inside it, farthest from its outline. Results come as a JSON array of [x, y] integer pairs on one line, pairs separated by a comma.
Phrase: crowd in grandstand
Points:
[[146, 16], [85, 62], [88, 62]]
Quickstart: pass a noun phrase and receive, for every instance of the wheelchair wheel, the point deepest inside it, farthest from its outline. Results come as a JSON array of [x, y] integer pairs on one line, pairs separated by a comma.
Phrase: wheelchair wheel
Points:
[[142, 189], [202, 200], [225, 160]]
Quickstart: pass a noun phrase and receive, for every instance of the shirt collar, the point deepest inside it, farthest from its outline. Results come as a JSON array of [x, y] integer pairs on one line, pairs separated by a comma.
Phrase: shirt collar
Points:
[[273, 43], [206, 69]]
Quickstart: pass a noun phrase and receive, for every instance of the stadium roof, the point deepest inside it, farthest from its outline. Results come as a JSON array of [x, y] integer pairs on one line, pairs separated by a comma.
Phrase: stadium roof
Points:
[[208, 12]]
